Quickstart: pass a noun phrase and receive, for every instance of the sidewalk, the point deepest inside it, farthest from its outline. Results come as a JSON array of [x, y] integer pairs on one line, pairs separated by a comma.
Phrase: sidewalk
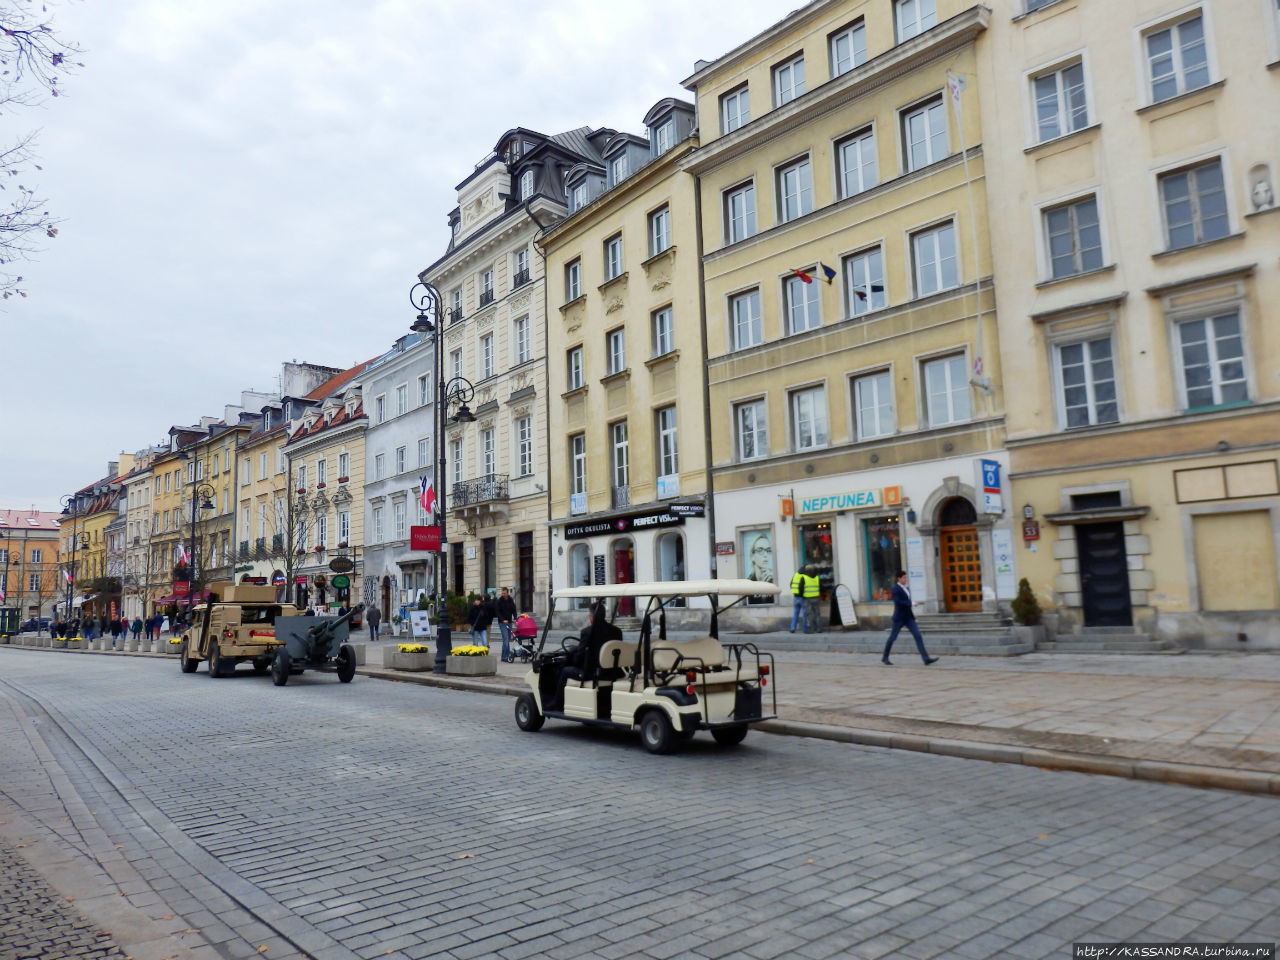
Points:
[[1205, 719]]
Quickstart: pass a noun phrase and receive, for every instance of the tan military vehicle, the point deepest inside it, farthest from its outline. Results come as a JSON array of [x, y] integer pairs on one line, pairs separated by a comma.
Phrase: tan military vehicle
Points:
[[237, 625]]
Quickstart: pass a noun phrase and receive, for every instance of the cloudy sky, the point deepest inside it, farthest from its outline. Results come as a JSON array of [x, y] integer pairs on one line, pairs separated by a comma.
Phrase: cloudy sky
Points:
[[249, 181]]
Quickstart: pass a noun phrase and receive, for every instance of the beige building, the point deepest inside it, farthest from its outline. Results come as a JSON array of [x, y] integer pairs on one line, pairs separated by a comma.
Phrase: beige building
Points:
[[1137, 163], [628, 433], [854, 381]]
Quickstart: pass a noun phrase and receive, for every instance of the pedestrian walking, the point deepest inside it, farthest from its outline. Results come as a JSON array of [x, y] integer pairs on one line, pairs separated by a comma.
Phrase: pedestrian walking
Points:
[[480, 616], [812, 591], [505, 611], [115, 633], [797, 599], [904, 616], [374, 617], [136, 628]]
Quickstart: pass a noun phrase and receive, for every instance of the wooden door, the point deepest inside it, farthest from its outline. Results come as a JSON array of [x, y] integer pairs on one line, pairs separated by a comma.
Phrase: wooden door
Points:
[[961, 569]]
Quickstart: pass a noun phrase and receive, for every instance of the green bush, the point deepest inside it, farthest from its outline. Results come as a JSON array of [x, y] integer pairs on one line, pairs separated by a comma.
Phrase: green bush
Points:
[[458, 606], [1026, 608]]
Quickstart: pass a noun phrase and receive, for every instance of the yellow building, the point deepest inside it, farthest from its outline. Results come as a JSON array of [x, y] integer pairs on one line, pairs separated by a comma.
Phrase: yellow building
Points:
[[855, 402], [29, 553], [170, 520], [1136, 160], [96, 586], [263, 549], [628, 465]]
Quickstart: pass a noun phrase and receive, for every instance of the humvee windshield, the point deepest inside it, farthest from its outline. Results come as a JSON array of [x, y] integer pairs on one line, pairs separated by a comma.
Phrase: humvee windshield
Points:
[[259, 614]]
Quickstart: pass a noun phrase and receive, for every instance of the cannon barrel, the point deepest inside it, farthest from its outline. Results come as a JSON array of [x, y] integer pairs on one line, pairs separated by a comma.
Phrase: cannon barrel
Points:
[[327, 626]]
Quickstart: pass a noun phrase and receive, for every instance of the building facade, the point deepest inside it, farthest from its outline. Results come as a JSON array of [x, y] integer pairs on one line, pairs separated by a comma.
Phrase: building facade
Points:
[[1137, 207], [855, 402], [29, 561]]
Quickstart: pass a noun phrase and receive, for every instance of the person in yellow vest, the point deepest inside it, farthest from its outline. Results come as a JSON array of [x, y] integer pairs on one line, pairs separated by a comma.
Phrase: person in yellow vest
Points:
[[811, 589], [797, 600]]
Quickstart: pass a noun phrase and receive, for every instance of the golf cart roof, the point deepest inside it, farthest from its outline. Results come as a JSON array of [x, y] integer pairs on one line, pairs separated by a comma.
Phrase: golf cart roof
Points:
[[670, 588]]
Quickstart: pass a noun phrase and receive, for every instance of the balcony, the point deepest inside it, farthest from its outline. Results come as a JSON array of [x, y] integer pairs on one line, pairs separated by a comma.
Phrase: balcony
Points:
[[277, 542], [480, 490], [454, 314], [244, 550], [520, 279], [486, 298], [620, 497], [260, 547]]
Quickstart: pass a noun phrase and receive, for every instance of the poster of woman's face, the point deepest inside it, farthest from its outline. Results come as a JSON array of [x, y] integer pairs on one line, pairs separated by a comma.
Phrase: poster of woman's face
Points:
[[757, 555]]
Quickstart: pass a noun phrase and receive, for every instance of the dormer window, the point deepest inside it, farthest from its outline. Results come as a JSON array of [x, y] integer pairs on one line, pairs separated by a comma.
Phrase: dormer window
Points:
[[526, 184], [619, 169], [577, 196], [662, 137]]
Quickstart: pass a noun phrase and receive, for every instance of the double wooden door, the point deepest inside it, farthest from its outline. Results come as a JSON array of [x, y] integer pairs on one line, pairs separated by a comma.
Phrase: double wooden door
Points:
[[961, 562]]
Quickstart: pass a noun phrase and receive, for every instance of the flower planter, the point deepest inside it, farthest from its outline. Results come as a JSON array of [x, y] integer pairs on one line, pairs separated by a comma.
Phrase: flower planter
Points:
[[74, 644], [59, 644], [393, 659], [133, 646], [472, 666], [173, 646]]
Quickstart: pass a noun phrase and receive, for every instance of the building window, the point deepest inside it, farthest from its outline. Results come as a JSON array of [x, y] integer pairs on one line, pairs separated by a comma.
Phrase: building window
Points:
[[664, 336], [322, 531], [577, 196], [262, 465], [488, 453], [401, 520], [380, 409], [486, 287], [668, 457], [455, 456], [377, 525], [1060, 102], [322, 469], [788, 81], [524, 446], [344, 526], [618, 169], [1211, 354], [802, 304], [33, 582], [864, 281], [578, 464], [946, 391], [615, 346], [620, 457], [455, 314], [613, 257], [751, 427], [402, 399], [423, 454], [302, 474], [739, 212], [521, 338], [1194, 202], [735, 110], [572, 281], [934, 253], [848, 48], [795, 190], [282, 461], [455, 362], [526, 184], [1073, 238], [1177, 59], [659, 231], [1087, 378], [663, 137], [344, 465], [882, 537], [856, 162], [573, 365], [379, 467], [401, 457], [745, 310], [521, 276], [873, 405], [809, 418], [914, 17], [924, 134], [486, 356], [424, 394]]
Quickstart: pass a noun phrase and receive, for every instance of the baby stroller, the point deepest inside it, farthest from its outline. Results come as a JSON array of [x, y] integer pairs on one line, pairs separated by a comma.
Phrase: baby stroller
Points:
[[521, 649]]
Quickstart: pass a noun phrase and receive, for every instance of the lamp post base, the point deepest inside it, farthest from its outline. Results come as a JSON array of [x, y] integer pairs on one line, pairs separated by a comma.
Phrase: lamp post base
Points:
[[444, 643]]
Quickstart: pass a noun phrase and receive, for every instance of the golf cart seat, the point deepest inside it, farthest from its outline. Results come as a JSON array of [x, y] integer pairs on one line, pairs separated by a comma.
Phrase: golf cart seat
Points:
[[702, 652], [616, 658]]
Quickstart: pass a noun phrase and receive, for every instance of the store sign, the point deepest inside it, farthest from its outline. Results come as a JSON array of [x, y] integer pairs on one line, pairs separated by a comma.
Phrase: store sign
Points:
[[687, 510], [300, 580], [342, 565], [341, 582], [254, 581], [990, 499], [724, 548], [640, 521], [424, 538], [1030, 530], [278, 579], [848, 500], [181, 588]]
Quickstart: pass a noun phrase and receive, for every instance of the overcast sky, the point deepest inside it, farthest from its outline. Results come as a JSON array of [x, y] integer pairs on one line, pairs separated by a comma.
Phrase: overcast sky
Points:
[[244, 182]]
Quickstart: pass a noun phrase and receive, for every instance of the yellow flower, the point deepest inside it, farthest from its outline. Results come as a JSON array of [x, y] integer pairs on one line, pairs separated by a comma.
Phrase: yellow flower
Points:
[[414, 648], [470, 650]]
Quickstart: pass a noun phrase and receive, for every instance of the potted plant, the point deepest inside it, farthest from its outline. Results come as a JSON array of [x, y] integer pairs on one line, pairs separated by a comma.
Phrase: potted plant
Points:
[[301, 491], [319, 548], [1026, 615], [320, 486], [471, 661], [342, 545], [343, 479], [413, 657], [299, 552]]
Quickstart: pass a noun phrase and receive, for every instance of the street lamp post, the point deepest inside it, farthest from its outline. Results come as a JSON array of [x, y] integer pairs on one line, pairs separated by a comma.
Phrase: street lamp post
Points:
[[201, 492], [70, 508], [458, 392]]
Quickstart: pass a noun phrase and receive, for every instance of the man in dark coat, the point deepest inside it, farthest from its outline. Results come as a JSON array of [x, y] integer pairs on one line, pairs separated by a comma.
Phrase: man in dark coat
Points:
[[374, 616], [904, 616], [505, 612]]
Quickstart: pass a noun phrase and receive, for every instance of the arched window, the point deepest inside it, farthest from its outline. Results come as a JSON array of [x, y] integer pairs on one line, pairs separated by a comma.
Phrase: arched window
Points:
[[957, 512]]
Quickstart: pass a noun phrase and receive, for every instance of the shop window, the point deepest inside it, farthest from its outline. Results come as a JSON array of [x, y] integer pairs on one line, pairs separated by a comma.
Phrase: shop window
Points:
[[883, 547], [671, 561], [815, 549], [757, 564], [580, 572]]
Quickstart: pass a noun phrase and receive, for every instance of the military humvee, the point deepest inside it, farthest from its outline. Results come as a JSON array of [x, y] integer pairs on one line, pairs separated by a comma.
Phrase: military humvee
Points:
[[237, 625]]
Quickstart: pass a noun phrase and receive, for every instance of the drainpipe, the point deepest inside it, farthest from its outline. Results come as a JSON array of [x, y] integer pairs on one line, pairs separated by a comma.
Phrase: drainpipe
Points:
[[706, 387]]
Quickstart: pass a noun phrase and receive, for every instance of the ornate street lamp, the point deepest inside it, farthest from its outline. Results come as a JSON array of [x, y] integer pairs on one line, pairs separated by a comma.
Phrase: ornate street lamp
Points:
[[202, 494], [70, 508], [456, 393]]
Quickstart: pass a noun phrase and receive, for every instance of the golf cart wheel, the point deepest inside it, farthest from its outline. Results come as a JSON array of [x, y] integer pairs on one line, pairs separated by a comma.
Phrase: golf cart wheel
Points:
[[346, 661], [656, 732], [528, 718], [215, 660], [730, 736], [687, 733], [280, 668], [185, 661]]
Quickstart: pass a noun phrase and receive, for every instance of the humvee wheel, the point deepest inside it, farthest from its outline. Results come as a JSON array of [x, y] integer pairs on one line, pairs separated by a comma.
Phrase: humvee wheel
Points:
[[215, 660], [188, 664], [346, 661], [528, 718], [656, 732], [280, 668], [730, 736]]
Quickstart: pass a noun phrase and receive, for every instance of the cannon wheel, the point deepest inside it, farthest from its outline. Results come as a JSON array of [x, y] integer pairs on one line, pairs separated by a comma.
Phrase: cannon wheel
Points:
[[188, 663], [346, 661], [215, 660], [280, 667]]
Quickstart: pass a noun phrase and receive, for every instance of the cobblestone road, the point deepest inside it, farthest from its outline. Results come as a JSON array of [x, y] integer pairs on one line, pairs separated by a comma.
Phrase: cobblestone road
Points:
[[386, 820]]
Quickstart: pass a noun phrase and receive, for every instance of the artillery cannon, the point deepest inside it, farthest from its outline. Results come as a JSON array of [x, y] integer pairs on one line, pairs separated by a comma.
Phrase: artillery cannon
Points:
[[316, 643]]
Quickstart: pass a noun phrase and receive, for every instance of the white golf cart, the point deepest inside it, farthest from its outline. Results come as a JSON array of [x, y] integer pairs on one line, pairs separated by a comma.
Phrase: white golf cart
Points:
[[666, 688]]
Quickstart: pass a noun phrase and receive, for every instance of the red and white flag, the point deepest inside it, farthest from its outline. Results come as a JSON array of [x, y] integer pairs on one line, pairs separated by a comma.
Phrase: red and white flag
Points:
[[183, 556], [427, 497], [67, 574]]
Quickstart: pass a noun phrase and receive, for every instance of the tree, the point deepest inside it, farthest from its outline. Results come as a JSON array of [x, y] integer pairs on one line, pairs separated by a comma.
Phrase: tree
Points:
[[31, 59]]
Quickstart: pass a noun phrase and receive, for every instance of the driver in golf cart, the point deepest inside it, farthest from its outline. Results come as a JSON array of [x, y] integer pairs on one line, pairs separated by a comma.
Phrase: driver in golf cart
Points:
[[666, 687]]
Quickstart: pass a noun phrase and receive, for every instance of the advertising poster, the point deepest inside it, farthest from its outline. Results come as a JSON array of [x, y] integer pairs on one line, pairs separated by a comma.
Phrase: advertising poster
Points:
[[1002, 551], [915, 569]]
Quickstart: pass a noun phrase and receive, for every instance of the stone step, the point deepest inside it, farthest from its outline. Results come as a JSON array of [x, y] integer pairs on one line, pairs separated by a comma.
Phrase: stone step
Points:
[[1094, 641], [937, 644]]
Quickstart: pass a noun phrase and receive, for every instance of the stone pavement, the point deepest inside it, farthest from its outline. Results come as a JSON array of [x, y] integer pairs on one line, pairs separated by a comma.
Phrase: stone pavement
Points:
[[1205, 719]]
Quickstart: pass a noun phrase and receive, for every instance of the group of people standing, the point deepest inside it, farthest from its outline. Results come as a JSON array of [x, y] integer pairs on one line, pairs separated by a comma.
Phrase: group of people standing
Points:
[[485, 610], [92, 627]]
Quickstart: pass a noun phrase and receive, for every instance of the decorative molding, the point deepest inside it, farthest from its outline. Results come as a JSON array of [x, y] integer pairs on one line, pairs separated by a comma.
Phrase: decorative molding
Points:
[[614, 305], [660, 283]]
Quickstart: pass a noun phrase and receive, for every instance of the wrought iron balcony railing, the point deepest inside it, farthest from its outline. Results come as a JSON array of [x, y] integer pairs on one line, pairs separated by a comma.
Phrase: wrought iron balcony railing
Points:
[[486, 298], [520, 279], [480, 490], [621, 497]]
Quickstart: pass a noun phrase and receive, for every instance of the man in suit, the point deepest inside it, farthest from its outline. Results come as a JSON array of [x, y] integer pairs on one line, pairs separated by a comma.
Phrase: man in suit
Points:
[[904, 616]]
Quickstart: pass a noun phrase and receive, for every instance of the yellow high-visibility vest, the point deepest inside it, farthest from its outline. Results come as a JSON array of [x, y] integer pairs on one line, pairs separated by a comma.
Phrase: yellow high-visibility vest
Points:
[[797, 583], [811, 587]]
